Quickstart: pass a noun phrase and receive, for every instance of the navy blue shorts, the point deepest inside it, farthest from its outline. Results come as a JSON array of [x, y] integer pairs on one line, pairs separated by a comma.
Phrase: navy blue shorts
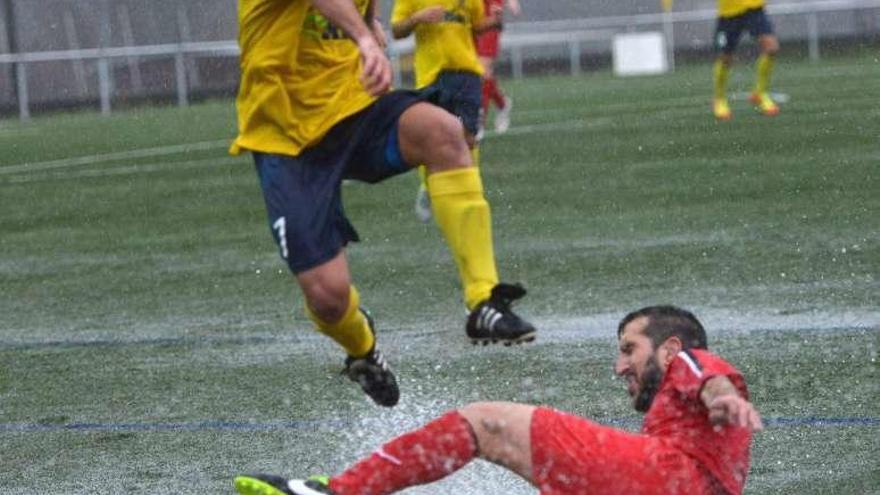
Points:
[[729, 29], [303, 194], [457, 92]]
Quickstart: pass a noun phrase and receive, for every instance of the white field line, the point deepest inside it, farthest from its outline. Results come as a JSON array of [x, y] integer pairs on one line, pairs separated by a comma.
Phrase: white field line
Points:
[[777, 97], [564, 125], [109, 157], [223, 143], [562, 328], [12, 132], [124, 170]]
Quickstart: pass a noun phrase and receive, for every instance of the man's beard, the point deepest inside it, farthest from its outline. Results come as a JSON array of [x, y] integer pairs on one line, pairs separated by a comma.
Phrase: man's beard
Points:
[[650, 384]]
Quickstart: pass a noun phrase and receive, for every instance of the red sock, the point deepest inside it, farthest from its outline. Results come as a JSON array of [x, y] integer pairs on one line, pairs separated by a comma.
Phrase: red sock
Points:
[[421, 456], [494, 93]]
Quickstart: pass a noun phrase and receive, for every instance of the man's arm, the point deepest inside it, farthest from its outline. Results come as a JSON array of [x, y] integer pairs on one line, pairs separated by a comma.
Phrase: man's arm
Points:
[[376, 76], [514, 7], [727, 406], [375, 25], [427, 15]]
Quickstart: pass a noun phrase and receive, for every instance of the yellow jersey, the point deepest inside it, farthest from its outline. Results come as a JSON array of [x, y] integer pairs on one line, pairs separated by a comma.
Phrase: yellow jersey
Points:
[[731, 8], [299, 76], [446, 45]]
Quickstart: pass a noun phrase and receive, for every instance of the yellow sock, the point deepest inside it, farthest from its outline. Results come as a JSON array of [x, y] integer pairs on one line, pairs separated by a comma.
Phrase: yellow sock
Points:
[[764, 67], [423, 175], [463, 215], [720, 73], [352, 331]]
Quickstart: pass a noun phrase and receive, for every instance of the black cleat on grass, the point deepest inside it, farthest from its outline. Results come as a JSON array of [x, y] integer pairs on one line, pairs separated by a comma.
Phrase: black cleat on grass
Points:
[[494, 321], [373, 374]]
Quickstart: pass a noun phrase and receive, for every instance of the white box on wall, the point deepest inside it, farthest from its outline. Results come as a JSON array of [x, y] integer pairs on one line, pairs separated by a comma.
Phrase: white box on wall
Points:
[[638, 54]]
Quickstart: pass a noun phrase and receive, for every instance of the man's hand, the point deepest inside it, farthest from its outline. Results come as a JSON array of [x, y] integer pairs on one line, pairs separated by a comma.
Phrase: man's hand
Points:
[[731, 409], [428, 15], [376, 75]]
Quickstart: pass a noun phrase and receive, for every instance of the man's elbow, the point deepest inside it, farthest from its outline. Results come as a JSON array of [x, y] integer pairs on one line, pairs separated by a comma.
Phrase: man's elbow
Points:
[[397, 32]]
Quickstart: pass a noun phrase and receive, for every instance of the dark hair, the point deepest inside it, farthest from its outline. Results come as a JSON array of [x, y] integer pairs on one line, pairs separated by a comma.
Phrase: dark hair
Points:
[[666, 321]]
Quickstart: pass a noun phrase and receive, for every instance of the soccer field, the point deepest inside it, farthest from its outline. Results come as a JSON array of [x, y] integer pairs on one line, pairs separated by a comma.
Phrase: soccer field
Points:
[[153, 342]]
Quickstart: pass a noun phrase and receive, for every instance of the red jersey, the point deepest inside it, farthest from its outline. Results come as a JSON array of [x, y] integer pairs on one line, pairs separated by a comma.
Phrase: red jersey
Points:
[[488, 5], [679, 417]]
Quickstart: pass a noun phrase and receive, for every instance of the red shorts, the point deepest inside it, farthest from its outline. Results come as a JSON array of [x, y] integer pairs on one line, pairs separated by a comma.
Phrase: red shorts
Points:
[[487, 43], [573, 456]]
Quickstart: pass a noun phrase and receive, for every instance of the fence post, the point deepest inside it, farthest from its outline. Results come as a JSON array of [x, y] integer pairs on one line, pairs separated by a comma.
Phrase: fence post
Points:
[[516, 62], [21, 80], [185, 36], [134, 68], [574, 55], [180, 77], [669, 31], [79, 66], [5, 47], [104, 85], [813, 35]]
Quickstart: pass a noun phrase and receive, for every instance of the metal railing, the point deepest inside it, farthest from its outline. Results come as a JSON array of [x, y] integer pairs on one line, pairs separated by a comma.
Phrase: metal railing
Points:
[[519, 36]]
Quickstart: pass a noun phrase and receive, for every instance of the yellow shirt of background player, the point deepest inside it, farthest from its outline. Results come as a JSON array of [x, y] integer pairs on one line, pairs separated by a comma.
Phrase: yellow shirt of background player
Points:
[[730, 8], [299, 76], [446, 45]]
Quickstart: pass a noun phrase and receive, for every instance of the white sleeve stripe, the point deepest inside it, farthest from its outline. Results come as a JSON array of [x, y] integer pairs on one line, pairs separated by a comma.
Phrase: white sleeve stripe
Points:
[[691, 364], [388, 457]]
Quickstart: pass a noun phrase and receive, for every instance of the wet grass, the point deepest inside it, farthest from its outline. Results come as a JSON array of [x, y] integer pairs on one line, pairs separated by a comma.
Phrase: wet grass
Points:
[[151, 341]]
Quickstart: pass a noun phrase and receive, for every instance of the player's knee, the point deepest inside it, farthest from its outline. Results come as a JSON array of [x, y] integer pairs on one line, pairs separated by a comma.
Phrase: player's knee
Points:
[[770, 45], [502, 432], [446, 144], [327, 302], [487, 419], [478, 410]]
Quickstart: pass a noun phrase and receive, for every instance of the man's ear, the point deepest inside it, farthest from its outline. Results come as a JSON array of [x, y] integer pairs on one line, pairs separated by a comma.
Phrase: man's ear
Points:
[[669, 349]]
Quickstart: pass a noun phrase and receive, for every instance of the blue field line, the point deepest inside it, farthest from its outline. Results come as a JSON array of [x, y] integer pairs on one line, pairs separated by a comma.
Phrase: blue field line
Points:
[[337, 424], [194, 426]]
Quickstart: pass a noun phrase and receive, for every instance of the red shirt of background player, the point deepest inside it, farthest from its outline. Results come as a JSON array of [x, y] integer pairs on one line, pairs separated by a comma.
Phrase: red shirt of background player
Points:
[[487, 41]]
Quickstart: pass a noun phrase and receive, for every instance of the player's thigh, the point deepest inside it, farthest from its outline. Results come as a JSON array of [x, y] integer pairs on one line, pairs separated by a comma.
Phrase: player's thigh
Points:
[[573, 455], [459, 93], [304, 206], [761, 29], [429, 135], [375, 140], [503, 433], [728, 31]]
